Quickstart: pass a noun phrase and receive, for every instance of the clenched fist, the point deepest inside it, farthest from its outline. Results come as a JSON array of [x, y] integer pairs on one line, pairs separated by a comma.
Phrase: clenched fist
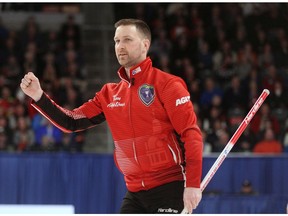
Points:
[[30, 85]]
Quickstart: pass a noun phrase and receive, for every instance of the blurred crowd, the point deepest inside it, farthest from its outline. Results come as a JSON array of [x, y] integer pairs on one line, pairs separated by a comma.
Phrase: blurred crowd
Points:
[[227, 53], [55, 57]]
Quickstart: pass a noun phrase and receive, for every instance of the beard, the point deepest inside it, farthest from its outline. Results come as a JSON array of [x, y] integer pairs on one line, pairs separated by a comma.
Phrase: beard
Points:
[[127, 62]]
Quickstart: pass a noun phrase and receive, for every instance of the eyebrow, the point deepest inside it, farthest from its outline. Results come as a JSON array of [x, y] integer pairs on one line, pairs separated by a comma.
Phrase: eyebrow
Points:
[[125, 36]]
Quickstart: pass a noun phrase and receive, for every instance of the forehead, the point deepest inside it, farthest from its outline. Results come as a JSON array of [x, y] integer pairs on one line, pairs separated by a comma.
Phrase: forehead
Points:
[[126, 30]]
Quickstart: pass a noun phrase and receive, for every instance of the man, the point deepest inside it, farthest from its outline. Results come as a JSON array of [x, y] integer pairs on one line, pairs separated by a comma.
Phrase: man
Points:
[[144, 111]]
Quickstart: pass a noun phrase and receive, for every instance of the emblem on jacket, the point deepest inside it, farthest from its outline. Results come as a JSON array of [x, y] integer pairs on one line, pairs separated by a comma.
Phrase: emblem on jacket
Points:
[[147, 94]]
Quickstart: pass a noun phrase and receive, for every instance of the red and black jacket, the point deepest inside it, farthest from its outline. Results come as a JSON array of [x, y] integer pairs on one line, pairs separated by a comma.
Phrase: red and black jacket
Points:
[[143, 114]]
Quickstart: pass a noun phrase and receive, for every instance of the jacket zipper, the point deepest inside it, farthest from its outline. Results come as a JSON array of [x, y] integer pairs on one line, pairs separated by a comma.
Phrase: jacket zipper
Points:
[[130, 118]]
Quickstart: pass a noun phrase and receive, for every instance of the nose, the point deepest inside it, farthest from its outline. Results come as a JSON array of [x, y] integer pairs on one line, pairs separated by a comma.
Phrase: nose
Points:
[[119, 48], [119, 45]]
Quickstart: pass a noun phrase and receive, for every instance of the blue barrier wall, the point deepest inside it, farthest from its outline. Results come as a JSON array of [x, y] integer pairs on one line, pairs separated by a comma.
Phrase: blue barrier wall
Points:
[[92, 183]]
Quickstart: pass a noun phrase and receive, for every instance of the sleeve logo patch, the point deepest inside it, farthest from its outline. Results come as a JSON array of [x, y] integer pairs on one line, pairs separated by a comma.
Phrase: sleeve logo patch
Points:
[[182, 100], [146, 94]]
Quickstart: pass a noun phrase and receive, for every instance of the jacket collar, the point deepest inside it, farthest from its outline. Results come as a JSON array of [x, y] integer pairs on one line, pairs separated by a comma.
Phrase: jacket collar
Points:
[[136, 71]]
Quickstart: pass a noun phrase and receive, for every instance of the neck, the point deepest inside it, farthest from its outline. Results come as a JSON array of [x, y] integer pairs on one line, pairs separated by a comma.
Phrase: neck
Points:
[[127, 70]]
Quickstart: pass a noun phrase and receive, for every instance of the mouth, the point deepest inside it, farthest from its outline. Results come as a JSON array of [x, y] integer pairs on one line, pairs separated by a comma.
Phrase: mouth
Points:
[[122, 54]]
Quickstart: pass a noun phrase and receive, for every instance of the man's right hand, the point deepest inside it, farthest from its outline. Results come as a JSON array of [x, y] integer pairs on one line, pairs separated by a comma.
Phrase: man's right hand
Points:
[[30, 85]]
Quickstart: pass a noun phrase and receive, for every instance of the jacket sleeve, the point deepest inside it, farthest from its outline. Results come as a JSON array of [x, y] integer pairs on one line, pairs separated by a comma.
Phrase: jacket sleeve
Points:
[[81, 118], [176, 100]]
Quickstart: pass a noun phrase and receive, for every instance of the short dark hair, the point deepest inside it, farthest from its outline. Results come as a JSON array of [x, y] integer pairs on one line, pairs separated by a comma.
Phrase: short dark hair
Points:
[[139, 24]]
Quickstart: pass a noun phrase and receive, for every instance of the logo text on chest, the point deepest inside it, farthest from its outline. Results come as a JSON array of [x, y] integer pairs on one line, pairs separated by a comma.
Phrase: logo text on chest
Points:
[[116, 102]]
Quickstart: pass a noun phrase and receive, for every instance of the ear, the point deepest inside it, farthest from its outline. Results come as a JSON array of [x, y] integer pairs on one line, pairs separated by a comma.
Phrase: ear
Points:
[[146, 44]]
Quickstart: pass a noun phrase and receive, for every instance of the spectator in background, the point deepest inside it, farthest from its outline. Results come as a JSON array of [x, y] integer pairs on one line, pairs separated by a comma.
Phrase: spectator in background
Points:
[[234, 95], [47, 136], [199, 43], [72, 142], [205, 60], [264, 119], [246, 141], [70, 30], [23, 136], [260, 41], [70, 63], [12, 71], [30, 33], [50, 68], [253, 92], [235, 116], [52, 43], [224, 62], [240, 38], [31, 58], [194, 90], [164, 63], [255, 75], [194, 19], [269, 144], [19, 110], [67, 142], [9, 48], [221, 142], [161, 45], [214, 131], [217, 40], [207, 146], [181, 50], [211, 89], [4, 143], [281, 54], [7, 100], [278, 97], [246, 60], [215, 110], [6, 134], [189, 72], [266, 57], [179, 26], [271, 76], [247, 188], [215, 19]]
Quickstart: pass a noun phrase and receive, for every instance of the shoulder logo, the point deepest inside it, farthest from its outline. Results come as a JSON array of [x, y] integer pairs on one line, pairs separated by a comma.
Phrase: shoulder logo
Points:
[[146, 94], [182, 100]]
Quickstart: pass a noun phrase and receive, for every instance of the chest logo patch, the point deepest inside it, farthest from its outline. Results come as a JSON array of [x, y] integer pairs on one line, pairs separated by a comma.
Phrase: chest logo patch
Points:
[[146, 94]]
